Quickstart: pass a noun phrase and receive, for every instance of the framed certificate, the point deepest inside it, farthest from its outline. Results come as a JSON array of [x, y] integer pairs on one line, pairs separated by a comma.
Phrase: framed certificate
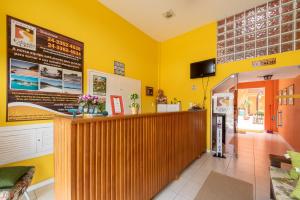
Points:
[[284, 99], [117, 107], [279, 97], [290, 94]]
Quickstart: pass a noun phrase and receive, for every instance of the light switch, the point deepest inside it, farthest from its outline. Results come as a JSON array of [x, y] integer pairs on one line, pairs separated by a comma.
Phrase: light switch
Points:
[[194, 87]]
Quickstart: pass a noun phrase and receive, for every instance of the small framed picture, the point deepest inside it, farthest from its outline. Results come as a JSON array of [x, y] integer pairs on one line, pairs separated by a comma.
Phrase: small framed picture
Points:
[[284, 99], [149, 91], [279, 97], [119, 68], [279, 118], [117, 107], [291, 93]]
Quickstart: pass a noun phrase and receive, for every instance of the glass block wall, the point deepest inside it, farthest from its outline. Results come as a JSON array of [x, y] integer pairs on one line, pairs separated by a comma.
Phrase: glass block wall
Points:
[[268, 29]]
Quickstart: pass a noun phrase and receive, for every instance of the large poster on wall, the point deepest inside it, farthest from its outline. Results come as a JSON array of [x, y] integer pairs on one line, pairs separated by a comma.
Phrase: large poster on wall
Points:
[[45, 71]]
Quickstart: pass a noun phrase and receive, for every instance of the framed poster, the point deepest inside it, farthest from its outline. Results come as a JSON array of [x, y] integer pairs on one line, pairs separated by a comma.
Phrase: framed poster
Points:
[[279, 97], [99, 88], [45, 71], [291, 93], [149, 91], [117, 106], [284, 94], [99, 85], [279, 119]]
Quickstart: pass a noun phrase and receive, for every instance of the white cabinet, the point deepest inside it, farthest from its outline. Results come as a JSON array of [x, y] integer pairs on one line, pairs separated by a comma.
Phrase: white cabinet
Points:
[[24, 142], [161, 107], [168, 107]]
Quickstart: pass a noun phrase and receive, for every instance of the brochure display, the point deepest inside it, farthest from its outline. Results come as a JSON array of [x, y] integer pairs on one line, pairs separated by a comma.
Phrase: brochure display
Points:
[[220, 135], [223, 136]]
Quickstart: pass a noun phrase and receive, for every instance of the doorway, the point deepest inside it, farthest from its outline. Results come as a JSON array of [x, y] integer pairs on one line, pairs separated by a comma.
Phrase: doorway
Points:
[[257, 105], [251, 110]]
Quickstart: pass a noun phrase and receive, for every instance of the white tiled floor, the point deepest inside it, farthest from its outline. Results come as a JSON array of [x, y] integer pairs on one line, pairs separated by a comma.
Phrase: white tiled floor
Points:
[[249, 125], [45, 193], [251, 165]]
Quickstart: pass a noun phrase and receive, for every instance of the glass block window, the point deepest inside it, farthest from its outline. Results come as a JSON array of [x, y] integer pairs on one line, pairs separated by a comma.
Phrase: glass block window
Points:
[[271, 28]]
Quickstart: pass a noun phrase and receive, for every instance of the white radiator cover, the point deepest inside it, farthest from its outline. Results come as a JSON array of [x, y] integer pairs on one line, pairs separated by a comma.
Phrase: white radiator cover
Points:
[[24, 142]]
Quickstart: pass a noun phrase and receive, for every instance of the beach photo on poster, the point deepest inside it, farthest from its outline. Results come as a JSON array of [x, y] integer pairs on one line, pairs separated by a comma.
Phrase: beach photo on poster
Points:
[[72, 82], [51, 72], [51, 85], [23, 68], [24, 83], [99, 85]]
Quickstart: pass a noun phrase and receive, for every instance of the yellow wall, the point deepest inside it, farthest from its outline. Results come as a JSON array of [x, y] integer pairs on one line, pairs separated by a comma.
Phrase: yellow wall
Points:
[[197, 45], [106, 36]]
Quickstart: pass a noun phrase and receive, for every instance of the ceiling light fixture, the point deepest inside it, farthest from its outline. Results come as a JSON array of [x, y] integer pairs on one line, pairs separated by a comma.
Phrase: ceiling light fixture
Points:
[[169, 14], [268, 77]]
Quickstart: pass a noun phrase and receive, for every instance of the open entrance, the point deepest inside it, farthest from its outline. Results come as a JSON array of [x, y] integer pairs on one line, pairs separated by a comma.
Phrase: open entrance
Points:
[[251, 109], [259, 98], [262, 101]]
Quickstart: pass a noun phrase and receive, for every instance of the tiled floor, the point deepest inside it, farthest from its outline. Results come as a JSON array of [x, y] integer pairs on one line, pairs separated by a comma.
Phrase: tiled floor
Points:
[[249, 125], [251, 165], [45, 193]]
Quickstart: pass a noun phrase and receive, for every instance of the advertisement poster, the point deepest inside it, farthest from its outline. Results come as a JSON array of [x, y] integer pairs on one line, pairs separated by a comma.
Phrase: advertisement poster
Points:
[[45, 71], [223, 102]]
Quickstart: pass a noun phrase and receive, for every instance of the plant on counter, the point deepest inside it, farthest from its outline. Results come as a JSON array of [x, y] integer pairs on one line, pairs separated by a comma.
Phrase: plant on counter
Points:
[[91, 104], [175, 101], [134, 105]]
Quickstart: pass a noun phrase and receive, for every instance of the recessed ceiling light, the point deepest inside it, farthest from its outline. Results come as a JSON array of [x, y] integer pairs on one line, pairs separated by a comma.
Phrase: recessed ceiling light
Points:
[[169, 14], [266, 77]]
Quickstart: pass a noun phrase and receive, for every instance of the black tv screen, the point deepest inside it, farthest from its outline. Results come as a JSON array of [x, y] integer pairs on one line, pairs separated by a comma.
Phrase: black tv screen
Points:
[[203, 68]]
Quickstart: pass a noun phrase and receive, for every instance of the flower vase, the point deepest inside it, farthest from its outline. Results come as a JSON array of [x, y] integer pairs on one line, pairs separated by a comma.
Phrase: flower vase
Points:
[[85, 110], [91, 110]]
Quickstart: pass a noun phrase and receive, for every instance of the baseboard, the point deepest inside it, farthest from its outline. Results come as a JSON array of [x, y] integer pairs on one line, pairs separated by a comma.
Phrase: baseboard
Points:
[[285, 142], [40, 184]]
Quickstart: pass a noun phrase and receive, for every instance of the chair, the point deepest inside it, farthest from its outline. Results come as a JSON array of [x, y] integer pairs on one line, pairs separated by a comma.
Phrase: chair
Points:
[[281, 185], [19, 189]]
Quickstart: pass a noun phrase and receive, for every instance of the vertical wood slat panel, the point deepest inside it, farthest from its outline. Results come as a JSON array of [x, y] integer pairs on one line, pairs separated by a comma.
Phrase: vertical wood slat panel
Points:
[[124, 158]]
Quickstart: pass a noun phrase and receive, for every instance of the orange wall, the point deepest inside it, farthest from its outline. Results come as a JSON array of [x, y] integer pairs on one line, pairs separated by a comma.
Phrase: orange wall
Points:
[[271, 91], [290, 130]]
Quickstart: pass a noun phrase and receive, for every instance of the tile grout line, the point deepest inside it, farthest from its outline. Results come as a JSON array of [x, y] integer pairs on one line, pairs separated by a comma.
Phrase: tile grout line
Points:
[[254, 159]]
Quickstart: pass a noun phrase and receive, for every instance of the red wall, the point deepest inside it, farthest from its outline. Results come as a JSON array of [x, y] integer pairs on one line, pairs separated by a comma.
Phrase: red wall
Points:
[[290, 130], [271, 91]]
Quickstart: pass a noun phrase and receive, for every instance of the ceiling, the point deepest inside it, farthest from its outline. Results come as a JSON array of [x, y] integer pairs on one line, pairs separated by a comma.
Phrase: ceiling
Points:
[[147, 15], [278, 73]]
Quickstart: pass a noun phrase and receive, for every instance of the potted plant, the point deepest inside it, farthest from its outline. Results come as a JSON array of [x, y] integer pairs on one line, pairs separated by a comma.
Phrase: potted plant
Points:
[[134, 105], [100, 106]]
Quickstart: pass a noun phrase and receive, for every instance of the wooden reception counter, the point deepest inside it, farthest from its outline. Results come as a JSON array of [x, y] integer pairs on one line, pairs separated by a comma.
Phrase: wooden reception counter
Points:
[[126, 157]]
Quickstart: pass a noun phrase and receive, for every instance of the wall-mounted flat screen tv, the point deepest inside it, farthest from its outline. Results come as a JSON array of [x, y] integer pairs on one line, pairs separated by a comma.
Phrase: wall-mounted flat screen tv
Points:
[[203, 68]]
